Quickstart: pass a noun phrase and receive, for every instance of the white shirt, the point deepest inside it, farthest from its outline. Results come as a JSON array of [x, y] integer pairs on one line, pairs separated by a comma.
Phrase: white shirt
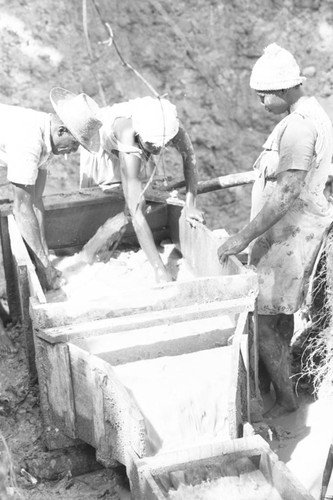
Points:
[[25, 143]]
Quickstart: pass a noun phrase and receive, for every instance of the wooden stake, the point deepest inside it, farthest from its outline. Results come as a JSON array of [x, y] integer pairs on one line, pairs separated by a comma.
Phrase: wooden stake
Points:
[[256, 349]]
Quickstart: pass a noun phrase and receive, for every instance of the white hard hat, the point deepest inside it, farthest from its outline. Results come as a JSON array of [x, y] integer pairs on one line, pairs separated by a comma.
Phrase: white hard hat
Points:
[[154, 119], [276, 69]]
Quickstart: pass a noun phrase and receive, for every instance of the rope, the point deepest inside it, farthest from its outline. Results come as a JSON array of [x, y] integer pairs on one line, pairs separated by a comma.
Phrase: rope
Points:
[[90, 52], [111, 42]]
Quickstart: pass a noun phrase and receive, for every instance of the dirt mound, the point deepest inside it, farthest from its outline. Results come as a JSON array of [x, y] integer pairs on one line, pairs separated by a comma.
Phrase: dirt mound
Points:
[[199, 53]]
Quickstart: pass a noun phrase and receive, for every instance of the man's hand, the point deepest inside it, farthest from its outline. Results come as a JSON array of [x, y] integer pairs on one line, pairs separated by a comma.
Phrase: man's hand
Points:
[[193, 215], [234, 245], [162, 276], [50, 277]]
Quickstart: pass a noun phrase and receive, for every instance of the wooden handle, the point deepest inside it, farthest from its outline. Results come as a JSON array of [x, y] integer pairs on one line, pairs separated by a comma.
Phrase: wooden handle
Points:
[[222, 182]]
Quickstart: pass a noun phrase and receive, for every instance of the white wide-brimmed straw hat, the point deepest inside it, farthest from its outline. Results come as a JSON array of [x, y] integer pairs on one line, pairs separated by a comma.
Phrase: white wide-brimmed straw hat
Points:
[[276, 69], [78, 112], [154, 119]]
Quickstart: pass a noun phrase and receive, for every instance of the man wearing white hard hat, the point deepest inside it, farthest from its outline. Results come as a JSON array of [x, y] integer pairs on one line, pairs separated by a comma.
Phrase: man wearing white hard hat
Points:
[[290, 213], [29, 140], [132, 132]]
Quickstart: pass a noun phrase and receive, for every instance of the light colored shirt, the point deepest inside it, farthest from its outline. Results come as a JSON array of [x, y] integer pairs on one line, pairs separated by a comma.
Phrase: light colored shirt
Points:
[[25, 143], [103, 168], [297, 144], [284, 255]]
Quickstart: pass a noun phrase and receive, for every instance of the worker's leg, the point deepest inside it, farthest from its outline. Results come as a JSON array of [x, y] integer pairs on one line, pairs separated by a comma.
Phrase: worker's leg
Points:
[[264, 378], [275, 334]]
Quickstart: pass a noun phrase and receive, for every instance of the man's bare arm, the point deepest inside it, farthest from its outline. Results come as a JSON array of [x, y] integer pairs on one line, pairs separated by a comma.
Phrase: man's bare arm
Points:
[[28, 224], [27, 221], [288, 188], [183, 144], [39, 206]]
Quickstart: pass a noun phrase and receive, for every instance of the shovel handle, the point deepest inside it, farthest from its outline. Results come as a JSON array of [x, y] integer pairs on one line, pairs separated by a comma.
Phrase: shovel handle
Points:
[[327, 473], [222, 182]]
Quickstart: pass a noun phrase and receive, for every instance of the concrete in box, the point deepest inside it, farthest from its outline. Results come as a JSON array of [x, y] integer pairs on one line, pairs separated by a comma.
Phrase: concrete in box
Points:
[[81, 397], [145, 474]]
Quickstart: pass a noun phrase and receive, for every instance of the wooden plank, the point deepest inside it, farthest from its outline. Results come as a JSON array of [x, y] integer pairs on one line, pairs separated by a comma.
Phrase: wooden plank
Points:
[[74, 226], [22, 258], [73, 199], [150, 489], [83, 395], [149, 319], [95, 196], [157, 298], [241, 447], [103, 432], [11, 286], [22, 281], [56, 401], [143, 485], [199, 241], [146, 474], [80, 198], [237, 400], [59, 388], [244, 347], [168, 340], [71, 219], [120, 413], [279, 476], [101, 437]]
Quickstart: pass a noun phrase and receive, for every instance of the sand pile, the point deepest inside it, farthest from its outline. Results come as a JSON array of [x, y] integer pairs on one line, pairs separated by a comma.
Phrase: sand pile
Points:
[[183, 398], [247, 486], [128, 269], [228, 478]]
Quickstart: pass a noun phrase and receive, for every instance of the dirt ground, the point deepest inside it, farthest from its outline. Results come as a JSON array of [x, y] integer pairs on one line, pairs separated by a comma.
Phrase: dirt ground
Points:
[[302, 440], [21, 428]]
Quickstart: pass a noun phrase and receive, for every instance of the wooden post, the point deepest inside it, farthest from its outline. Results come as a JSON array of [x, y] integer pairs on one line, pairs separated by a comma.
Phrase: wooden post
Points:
[[12, 291], [56, 392], [256, 349], [327, 473]]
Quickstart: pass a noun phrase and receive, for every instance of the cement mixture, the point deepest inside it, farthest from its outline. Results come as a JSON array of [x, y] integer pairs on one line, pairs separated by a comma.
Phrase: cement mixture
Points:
[[183, 398], [227, 478], [127, 270], [241, 486]]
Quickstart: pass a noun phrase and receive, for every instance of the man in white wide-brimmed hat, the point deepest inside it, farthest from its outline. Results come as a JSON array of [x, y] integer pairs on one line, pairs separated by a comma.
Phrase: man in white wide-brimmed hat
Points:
[[29, 140], [132, 133], [290, 212]]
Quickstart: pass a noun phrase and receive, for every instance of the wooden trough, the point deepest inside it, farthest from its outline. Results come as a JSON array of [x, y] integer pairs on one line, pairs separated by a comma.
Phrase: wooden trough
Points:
[[82, 350], [78, 345], [240, 469]]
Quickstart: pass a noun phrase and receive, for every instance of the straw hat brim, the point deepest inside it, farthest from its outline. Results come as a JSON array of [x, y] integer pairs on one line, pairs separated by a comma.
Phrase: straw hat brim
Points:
[[61, 101]]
